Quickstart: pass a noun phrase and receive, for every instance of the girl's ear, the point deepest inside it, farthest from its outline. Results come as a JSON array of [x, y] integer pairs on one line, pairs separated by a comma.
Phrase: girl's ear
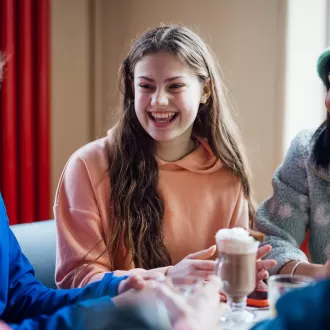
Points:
[[206, 92], [327, 101], [327, 97]]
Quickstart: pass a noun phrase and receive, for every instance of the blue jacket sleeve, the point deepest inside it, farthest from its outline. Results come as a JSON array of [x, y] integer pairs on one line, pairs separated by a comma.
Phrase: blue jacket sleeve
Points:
[[87, 314], [303, 309], [96, 314], [27, 297]]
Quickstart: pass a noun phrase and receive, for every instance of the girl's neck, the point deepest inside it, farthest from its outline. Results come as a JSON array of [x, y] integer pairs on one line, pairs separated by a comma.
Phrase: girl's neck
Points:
[[171, 151]]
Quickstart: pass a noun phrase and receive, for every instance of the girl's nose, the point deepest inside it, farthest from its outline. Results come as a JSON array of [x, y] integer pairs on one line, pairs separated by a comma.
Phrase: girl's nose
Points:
[[159, 99]]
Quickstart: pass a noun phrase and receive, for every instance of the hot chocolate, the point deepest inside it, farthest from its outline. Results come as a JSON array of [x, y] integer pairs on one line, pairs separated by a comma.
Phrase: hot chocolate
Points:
[[238, 273], [237, 262]]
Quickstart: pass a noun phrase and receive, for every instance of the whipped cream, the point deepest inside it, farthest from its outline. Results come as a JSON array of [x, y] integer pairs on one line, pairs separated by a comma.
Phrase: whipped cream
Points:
[[235, 241]]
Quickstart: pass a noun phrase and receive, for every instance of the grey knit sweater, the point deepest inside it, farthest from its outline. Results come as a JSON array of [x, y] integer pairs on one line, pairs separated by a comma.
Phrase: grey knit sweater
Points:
[[301, 201]]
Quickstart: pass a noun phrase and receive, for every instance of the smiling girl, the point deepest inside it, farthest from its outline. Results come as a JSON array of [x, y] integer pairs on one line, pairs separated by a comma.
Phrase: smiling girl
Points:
[[152, 194]]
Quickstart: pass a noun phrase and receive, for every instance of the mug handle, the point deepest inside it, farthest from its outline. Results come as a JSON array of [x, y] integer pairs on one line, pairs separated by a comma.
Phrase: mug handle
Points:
[[219, 262]]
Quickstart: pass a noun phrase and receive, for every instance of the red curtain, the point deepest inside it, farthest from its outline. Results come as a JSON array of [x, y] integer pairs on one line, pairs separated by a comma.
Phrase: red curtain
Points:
[[304, 245], [24, 109]]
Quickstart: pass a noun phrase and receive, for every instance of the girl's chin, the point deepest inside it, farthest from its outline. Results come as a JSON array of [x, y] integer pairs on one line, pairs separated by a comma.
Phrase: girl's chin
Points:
[[162, 137]]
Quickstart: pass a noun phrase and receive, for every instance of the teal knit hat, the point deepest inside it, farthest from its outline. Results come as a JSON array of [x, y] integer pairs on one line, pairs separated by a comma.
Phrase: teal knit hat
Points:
[[323, 66]]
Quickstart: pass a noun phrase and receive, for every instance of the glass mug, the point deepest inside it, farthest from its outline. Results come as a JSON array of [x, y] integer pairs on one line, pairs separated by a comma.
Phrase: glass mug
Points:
[[237, 272], [183, 286], [278, 285]]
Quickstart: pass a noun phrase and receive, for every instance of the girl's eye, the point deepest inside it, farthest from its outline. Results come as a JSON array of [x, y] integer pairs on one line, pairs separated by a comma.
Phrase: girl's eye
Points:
[[176, 86], [145, 86]]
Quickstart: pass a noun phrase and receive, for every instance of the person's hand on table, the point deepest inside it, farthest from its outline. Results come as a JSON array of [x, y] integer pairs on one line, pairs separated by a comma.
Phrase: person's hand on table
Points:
[[4, 326], [138, 281], [201, 310], [194, 267], [263, 266]]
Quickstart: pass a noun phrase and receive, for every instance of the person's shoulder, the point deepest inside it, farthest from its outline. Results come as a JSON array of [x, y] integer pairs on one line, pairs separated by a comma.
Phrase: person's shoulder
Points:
[[301, 145], [304, 139], [2, 203], [92, 159], [92, 153], [3, 212]]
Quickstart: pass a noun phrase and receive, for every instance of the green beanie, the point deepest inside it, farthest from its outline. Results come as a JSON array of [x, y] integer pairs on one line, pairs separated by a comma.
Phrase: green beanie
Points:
[[323, 66]]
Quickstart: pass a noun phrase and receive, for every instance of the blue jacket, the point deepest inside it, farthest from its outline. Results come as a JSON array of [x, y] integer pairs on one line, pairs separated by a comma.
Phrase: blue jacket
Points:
[[307, 308], [25, 303]]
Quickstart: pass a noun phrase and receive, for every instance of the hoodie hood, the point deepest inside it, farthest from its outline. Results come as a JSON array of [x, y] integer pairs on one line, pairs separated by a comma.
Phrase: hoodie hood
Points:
[[201, 160]]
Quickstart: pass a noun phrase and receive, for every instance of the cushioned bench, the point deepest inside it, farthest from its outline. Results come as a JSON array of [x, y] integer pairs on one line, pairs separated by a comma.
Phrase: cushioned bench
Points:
[[38, 243]]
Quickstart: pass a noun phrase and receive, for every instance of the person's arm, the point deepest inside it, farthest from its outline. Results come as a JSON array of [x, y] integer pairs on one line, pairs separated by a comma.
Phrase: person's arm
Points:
[[82, 255], [27, 297], [81, 249], [94, 314], [24, 296], [284, 217], [304, 268]]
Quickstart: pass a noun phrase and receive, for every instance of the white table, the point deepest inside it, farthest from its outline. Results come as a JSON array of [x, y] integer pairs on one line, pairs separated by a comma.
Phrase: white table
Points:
[[260, 314]]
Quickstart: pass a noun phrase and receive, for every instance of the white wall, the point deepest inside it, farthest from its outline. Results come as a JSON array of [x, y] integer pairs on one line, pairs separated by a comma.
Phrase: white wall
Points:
[[247, 37], [304, 92], [70, 81], [89, 38]]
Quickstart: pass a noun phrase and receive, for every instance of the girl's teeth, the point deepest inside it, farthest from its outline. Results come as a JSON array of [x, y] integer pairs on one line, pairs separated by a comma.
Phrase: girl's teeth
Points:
[[162, 114]]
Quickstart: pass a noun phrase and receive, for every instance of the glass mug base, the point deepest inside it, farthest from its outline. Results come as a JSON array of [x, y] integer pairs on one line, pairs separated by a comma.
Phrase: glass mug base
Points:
[[236, 316], [235, 320]]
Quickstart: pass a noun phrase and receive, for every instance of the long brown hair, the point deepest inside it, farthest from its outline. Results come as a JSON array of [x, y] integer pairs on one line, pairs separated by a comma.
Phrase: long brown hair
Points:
[[136, 204]]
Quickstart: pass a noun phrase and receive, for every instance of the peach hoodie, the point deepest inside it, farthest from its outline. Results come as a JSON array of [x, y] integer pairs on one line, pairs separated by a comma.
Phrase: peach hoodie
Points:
[[200, 197]]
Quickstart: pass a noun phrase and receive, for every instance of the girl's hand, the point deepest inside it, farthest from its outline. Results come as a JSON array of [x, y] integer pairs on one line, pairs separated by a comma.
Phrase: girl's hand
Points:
[[323, 271], [200, 311], [263, 266], [132, 282], [138, 281], [194, 266], [4, 326], [205, 307]]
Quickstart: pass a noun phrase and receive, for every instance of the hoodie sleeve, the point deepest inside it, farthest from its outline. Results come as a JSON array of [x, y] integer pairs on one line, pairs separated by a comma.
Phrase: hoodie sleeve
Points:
[[81, 245], [27, 297]]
